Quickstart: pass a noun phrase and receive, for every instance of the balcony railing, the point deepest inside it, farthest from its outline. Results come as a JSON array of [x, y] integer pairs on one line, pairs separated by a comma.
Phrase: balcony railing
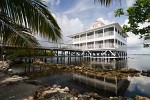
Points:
[[77, 39], [90, 37], [109, 45], [90, 46], [83, 47], [98, 45], [109, 33], [98, 35], [82, 38]]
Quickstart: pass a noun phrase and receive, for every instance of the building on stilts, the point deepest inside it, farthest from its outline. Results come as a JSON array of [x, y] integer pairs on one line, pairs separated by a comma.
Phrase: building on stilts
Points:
[[101, 41]]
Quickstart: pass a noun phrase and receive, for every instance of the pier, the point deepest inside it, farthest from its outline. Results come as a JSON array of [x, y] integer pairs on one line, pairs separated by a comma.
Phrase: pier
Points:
[[62, 50]]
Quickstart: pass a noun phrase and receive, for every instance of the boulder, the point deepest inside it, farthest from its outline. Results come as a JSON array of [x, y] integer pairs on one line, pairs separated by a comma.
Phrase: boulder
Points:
[[74, 92], [141, 98], [129, 70], [66, 89], [13, 79]]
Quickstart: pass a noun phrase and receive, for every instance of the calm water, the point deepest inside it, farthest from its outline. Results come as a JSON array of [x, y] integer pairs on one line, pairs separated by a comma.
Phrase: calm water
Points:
[[137, 86]]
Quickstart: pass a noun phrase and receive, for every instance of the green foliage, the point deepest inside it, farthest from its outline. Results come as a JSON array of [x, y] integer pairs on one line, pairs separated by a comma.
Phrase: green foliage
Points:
[[51, 53], [20, 19], [138, 15], [146, 45], [106, 2], [119, 12], [103, 2], [27, 53], [147, 37], [139, 19]]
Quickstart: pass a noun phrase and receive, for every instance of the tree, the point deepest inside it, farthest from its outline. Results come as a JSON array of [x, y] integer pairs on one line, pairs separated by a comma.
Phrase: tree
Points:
[[139, 18], [106, 2], [21, 19]]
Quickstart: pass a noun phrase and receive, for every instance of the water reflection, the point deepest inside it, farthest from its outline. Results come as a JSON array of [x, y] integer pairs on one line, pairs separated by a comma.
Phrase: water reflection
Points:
[[111, 86], [97, 64], [139, 86]]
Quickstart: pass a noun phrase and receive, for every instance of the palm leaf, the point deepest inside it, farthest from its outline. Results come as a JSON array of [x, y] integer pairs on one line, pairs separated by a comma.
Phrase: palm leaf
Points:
[[32, 14], [14, 34], [106, 2]]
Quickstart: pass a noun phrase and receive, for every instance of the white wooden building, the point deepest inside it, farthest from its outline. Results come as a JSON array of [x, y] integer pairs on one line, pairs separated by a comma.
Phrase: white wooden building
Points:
[[101, 41]]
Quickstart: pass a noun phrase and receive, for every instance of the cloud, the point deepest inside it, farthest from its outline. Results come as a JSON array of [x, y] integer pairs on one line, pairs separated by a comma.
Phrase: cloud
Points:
[[53, 2], [69, 26], [141, 83], [105, 21], [134, 39], [111, 14], [134, 43], [79, 7], [130, 2], [145, 24]]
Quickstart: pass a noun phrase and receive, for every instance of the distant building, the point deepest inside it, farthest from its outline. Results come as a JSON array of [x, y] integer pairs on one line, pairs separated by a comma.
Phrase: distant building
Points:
[[101, 41]]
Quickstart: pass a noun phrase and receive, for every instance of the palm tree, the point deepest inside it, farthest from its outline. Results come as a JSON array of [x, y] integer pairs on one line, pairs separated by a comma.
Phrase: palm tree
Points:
[[106, 2], [21, 19], [14, 34]]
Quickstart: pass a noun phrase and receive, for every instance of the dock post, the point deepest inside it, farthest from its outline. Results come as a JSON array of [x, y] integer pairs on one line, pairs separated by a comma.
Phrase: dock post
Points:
[[75, 55], [57, 56], [116, 91]]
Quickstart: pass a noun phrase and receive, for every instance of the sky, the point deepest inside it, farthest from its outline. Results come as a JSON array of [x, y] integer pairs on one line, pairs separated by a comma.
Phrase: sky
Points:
[[77, 15]]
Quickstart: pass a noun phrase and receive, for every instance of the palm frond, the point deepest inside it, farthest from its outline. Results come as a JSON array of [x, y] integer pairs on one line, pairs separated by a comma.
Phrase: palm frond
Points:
[[106, 2], [32, 14], [15, 34]]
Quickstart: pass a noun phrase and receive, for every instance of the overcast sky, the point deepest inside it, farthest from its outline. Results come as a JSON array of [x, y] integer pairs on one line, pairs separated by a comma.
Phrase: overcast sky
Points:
[[77, 15]]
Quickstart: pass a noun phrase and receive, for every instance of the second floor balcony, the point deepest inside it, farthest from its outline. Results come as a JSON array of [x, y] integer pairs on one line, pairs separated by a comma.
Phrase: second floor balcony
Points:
[[108, 33]]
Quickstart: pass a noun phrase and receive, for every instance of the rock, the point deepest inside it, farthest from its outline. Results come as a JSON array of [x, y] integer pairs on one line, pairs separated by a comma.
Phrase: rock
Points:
[[50, 94], [141, 98], [66, 89], [129, 70], [74, 93], [9, 70], [13, 79], [93, 95], [4, 66], [55, 86], [30, 98]]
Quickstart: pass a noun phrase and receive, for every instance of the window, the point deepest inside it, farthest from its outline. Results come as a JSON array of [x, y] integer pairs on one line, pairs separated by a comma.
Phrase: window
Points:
[[116, 29]]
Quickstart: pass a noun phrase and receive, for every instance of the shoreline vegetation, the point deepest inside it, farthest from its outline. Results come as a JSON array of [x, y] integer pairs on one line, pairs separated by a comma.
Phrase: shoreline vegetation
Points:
[[55, 91]]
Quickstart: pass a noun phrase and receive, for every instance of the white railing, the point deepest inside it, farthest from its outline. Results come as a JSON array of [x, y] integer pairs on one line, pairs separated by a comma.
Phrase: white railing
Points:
[[82, 38], [99, 45], [90, 37], [83, 47], [90, 46], [98, 35], [109, 33], [77, 39], [109, 45]]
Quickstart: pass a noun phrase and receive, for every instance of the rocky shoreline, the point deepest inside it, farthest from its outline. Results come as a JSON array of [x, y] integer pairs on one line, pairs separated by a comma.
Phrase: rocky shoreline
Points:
[[55, 92]]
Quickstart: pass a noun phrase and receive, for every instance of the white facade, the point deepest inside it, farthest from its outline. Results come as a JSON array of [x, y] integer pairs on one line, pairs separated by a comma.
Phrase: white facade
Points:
[[101, 37]]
